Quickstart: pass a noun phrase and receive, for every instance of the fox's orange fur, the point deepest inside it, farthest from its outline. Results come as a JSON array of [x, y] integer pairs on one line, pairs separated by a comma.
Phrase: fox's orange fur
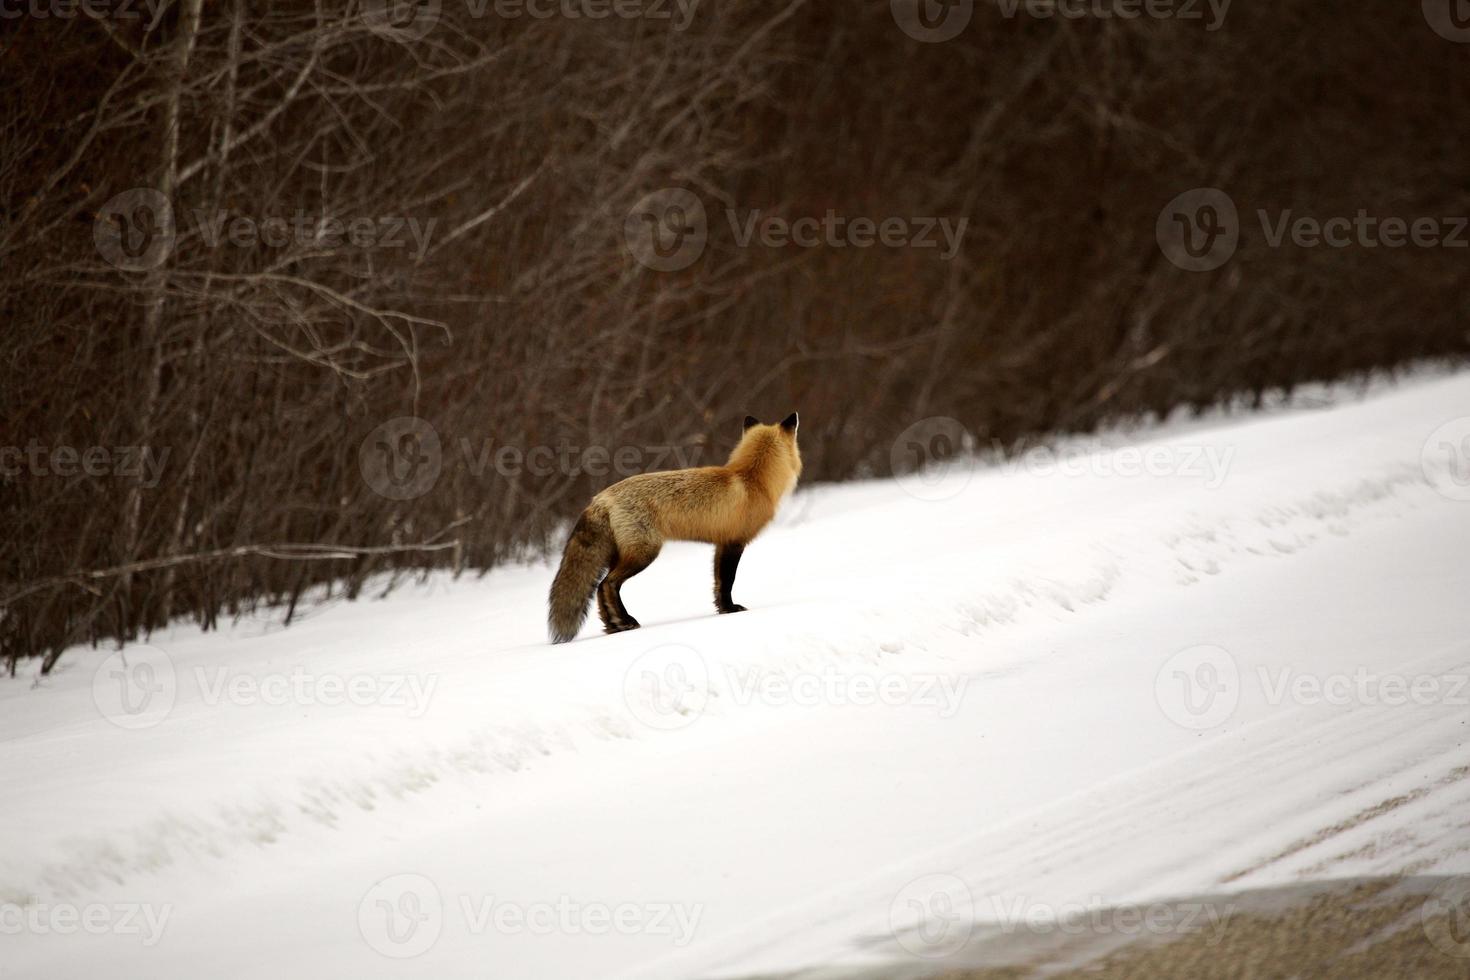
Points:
[[625, 526]]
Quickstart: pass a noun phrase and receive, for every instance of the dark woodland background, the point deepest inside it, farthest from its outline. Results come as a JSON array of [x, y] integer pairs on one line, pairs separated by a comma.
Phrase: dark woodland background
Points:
[[262, 368]]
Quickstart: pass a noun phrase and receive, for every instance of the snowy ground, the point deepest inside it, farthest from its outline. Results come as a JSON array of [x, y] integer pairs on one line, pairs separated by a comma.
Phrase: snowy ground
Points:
[[959, 706]]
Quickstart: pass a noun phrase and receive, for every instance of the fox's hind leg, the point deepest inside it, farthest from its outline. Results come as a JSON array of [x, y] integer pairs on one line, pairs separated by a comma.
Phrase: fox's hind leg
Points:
[[630, 562], [727, 560], [604, 613]]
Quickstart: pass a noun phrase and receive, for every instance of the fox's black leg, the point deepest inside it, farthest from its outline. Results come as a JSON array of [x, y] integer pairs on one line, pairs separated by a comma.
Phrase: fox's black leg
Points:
[[727, 560], [615, 617], [611, 589], [604, 611]]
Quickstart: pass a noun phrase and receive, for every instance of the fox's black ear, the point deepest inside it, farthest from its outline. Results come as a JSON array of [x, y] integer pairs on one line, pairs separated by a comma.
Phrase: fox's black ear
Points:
[[789, 423], [751, 420]]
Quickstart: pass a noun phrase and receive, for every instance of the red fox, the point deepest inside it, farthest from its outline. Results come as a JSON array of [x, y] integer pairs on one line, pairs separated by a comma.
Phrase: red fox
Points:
[[624, 527]]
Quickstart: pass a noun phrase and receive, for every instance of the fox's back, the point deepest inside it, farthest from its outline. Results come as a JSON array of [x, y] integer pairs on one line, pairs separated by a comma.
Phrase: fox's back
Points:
[[708, 503]]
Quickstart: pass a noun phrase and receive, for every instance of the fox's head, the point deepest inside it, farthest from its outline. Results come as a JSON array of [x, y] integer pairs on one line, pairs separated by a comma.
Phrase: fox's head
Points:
[[771, 450]]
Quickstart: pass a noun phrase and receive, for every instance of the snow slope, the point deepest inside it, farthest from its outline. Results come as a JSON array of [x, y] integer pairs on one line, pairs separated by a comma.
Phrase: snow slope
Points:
[[957, 703]]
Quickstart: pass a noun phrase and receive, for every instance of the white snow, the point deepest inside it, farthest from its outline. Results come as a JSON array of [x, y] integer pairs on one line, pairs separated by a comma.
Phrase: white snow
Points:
[[1053, 689]]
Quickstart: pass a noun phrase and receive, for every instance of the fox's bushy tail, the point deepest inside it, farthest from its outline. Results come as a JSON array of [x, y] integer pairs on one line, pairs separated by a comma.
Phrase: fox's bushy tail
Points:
[[588, 554]]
